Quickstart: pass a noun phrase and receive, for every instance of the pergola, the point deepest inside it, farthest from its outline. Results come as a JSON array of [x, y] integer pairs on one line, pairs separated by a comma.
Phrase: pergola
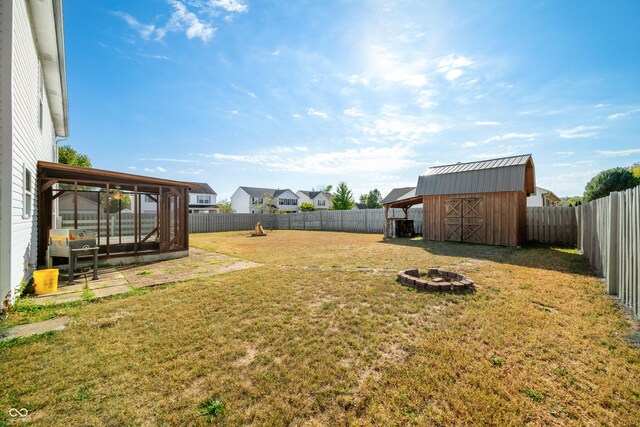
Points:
[[162, 228], [395, 226]]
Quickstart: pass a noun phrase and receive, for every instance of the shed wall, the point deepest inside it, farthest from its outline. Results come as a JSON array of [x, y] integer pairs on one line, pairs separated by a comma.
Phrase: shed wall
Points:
[[504, 215]]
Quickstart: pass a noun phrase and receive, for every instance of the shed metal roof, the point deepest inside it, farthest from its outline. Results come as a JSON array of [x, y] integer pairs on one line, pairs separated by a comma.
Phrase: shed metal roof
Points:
[[397, 194], [485, 176]]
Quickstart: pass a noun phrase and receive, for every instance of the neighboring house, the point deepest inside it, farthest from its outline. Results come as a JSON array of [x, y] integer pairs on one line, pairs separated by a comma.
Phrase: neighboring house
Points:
[[543, 197], [202, 199], [359, 206], [87, 203], [319, 199], [33, 112], [244, 199]]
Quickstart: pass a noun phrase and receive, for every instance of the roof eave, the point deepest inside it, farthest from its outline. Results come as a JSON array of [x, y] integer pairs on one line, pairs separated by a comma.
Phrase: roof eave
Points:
[[48, 28]]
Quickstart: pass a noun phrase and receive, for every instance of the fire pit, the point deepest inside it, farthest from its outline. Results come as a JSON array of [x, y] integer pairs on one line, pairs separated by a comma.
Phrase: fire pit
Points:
[[434, 280]]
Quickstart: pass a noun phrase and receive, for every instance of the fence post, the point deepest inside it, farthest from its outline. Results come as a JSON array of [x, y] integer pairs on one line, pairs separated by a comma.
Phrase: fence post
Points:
[[612, 247], [304, 220], [341, 220]]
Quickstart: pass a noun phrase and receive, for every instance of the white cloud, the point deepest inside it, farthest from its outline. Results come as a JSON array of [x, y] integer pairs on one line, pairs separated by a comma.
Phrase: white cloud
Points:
[[353, 112], [578, 132], [160, 169], [355, 78], [234, 112], [355, 161], [564, 153], [183, 19], [132, 167], [425, 98], [191, 22], [486, 123], [619, 153], [165, 159], [296, 116], [623, 114], [291, 149], [390, 65], [501, 137], [148, 170], [191, 171], [315, 113], [452, 66], [144, 30], [238, 6], [400, 128]]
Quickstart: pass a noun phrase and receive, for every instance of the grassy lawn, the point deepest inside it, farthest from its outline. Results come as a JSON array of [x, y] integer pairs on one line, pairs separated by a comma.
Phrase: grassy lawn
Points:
[[322, 334]]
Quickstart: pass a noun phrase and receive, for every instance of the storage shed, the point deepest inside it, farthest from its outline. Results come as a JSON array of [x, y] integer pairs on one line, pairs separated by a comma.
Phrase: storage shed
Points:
[[478, 202]]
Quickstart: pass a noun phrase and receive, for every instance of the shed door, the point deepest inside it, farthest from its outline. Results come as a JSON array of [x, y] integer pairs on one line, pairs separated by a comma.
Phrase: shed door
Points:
[[464, 220], [453, 220], [473, 220]]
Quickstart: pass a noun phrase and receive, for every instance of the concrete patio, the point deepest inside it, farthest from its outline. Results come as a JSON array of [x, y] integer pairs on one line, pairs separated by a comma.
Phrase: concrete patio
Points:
[[121, 279]]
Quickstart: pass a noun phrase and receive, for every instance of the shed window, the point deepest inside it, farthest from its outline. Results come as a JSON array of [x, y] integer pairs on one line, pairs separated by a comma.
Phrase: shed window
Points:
[[27, 193]]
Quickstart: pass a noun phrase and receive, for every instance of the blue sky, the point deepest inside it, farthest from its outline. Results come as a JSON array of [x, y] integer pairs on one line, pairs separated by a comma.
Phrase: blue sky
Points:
[[294, 94]]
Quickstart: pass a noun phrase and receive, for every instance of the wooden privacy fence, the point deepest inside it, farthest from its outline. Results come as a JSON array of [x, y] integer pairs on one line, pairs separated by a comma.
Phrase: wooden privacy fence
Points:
[[609, 237], [117, 222], [551, 224], [362, 221]]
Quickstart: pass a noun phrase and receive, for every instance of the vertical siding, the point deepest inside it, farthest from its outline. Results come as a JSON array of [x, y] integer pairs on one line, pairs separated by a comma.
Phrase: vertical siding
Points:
[[29, 143], [5, 148], [504, 215]]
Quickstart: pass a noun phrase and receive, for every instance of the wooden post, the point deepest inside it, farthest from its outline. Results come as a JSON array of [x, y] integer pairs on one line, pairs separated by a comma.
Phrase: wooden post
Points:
[[75, 205], [612, 256], [136, 210], [108, 215]]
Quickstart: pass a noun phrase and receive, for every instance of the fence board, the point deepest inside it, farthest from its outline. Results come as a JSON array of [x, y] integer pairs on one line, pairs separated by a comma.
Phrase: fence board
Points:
[[608, 234]]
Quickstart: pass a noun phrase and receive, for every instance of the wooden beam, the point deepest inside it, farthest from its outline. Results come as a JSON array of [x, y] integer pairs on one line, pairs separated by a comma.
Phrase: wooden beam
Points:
[[47, 185], [75, 205]]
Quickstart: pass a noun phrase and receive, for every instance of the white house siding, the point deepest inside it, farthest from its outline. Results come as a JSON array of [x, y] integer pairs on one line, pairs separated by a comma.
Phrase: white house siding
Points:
[[241, 201], [5, 154], [29, 143]]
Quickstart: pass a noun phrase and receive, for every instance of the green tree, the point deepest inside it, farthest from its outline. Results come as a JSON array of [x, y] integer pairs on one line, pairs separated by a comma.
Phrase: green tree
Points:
[[224, 206], [116, 205], [307, 207], [374, 199], [363, 198], [635, 170], [343, 199], [68, 156], [268, 205], [616, 179]]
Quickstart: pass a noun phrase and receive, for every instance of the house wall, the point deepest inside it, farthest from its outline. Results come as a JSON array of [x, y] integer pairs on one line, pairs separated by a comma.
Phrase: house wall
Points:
[[288, 195], [325, 199], [84, 205], [240, 201], [29, 143], [5, 148], [504, 216], [193, 199]]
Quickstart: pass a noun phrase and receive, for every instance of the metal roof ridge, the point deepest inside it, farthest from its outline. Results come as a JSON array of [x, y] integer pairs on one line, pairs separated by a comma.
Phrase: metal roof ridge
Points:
[[480, 161]]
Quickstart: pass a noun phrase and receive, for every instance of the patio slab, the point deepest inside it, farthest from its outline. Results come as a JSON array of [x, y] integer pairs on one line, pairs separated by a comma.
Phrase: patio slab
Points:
[[122, 279], [24, 331]]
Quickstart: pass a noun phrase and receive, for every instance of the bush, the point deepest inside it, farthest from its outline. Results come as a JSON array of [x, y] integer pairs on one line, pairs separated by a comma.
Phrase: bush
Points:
[[307, 207], [616, 179]]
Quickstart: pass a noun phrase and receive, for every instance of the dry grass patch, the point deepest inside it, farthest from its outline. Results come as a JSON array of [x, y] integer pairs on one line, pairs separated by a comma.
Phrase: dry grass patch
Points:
[[537, 343]]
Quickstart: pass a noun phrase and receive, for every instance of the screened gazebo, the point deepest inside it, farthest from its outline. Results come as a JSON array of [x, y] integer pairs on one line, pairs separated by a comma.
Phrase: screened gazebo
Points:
[[137, 217]]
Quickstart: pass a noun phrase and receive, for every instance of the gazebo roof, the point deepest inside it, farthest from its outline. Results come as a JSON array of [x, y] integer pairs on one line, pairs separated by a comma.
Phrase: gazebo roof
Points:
[[100, 177]]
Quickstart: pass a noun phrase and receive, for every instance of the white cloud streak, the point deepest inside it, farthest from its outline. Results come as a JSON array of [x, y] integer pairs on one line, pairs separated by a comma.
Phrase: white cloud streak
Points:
[[619, 153], [578, 132]]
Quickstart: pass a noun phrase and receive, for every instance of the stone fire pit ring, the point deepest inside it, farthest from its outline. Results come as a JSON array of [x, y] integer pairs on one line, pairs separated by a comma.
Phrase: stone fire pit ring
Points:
[[434, 280]]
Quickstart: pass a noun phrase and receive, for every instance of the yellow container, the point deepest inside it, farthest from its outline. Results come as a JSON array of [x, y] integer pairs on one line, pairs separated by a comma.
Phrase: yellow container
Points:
[[45, 281]]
